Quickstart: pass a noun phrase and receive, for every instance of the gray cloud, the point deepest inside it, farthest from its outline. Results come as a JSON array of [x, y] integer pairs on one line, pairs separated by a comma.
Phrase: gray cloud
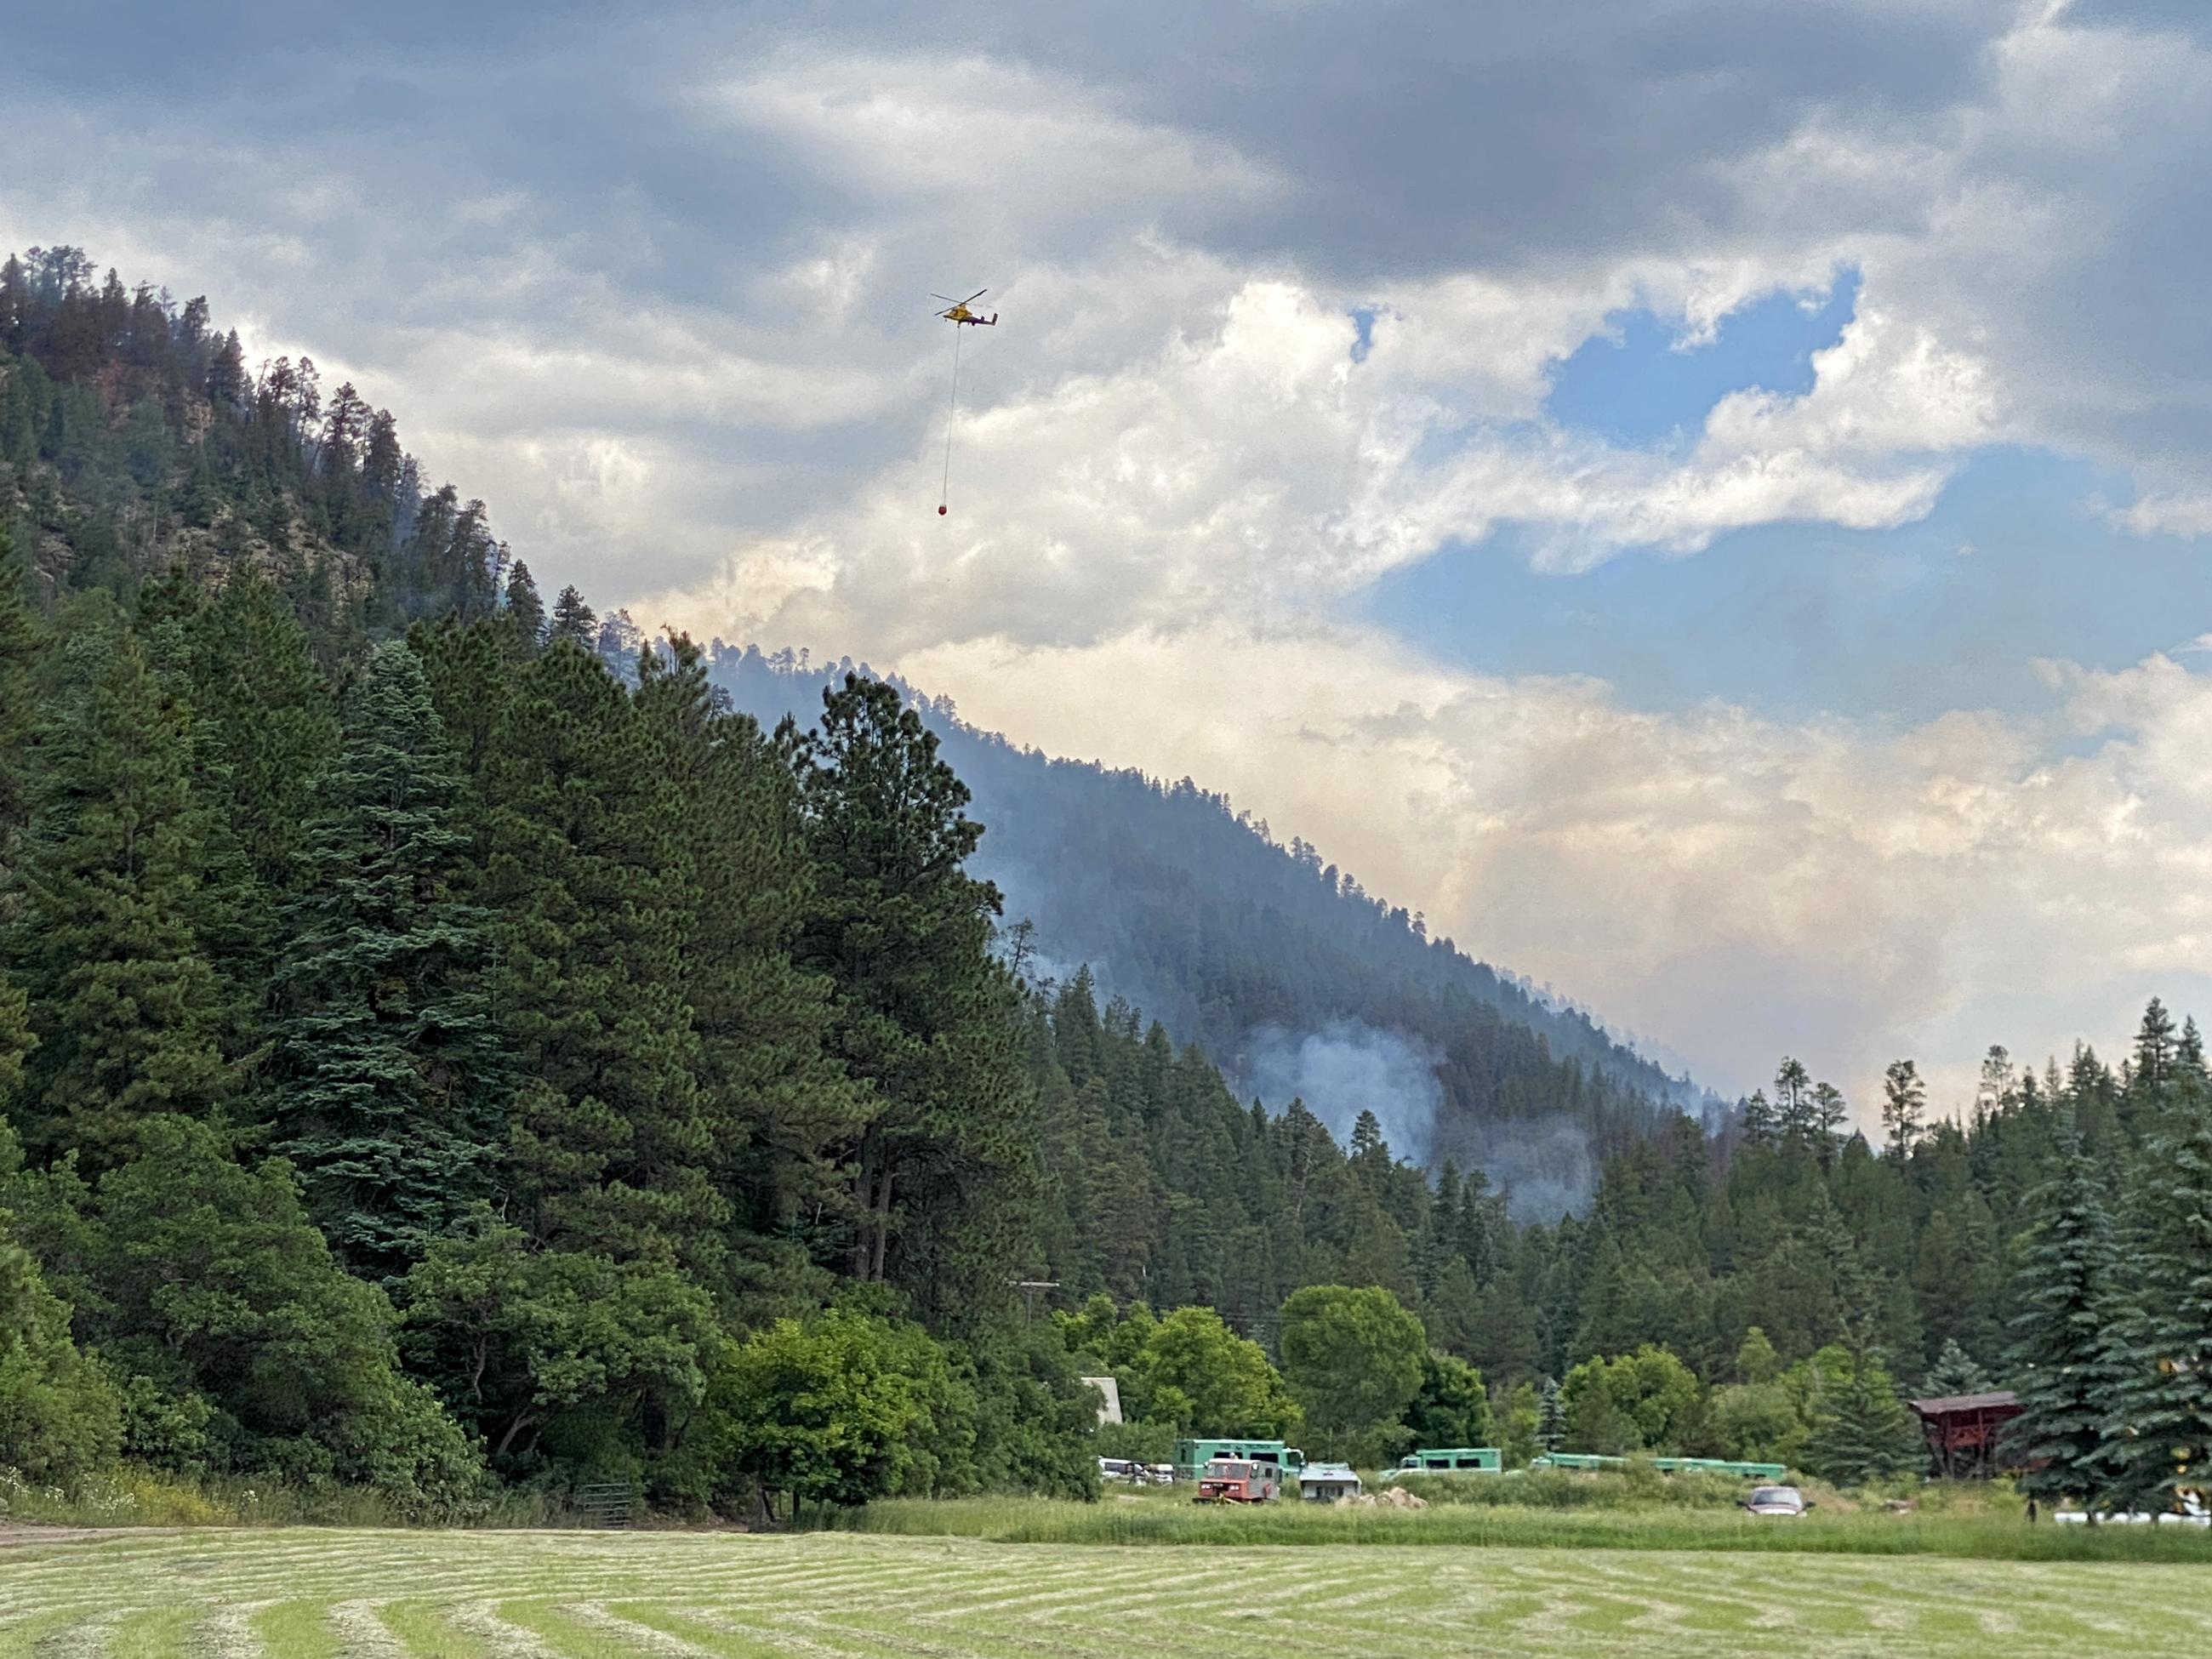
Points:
[[650, 281]]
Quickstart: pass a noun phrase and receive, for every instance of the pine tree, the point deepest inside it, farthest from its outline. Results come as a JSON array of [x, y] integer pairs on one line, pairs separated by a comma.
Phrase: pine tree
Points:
[[1904, 1100], [2060, 1358], [1863, 1432], [1956, 1372], [2163, 1423], [1793, 1103], [590, 886], [19, 649], [2189, 1053], [1551, 1417], [1831, 1113], [389, 1095], [777, 1101], [126, 1008], [2154, 1045], [574, 620], [1758, 1117], [924, 1010], [262, 728], [525, 615]]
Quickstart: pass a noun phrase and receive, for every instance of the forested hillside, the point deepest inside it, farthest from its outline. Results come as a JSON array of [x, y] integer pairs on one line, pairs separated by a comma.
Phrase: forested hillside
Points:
[[1294, 981], [437, 1061]]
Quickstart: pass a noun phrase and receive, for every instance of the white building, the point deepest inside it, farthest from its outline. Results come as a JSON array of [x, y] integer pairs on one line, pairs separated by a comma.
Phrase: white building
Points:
[[1109, 1398], [1326, 1483]]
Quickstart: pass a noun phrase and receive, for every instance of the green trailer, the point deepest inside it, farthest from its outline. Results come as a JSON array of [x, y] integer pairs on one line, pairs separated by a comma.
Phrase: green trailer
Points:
[[1192, 1456], [1591, 1461], [1450, 1460]]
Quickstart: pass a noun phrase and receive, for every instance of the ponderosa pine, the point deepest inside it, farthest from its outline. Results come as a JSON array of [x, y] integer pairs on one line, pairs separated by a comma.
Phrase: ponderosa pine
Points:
[[777, 1104], [524, 614], [923, 1009]]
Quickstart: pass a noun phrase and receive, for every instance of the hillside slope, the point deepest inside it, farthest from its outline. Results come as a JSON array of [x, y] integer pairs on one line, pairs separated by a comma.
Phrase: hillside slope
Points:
[[134, 441], [1293, 979]]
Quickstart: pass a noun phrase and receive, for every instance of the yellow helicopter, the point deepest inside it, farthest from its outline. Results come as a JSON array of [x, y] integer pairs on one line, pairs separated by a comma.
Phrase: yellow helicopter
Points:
[[957, 310]]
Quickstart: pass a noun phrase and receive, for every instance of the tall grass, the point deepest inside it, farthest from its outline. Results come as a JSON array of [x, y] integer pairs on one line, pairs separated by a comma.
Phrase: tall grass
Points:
[[1167, 1520], [129, 1495]]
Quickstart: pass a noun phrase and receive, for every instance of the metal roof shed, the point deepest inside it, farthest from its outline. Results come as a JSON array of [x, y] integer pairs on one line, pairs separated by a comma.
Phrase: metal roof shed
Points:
[[1326, 1483], [1966, 1431]]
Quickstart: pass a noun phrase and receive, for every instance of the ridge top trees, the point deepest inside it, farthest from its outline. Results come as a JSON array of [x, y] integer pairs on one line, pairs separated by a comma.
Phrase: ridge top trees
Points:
[[1904, 1101]]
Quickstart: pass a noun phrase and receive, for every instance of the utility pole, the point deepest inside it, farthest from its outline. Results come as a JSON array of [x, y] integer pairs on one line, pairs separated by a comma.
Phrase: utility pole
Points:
[[1030, 1287]]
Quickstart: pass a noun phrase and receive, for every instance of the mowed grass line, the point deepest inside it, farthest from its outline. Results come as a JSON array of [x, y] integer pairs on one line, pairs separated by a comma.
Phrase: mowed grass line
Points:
[[23, 1639], [423, 1631], [157, 1633], [301, 1594], [297, 1629]]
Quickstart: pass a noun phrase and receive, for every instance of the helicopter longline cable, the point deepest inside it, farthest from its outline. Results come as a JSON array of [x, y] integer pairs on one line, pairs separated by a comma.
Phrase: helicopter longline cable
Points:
[[952, 415]]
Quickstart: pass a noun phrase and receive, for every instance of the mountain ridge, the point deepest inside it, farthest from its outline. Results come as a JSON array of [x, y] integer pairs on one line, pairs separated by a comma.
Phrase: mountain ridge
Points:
[[1293, 978]]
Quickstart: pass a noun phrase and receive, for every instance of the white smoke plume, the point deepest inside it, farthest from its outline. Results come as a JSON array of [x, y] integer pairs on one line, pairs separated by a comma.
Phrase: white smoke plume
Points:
[[1342, 1069]]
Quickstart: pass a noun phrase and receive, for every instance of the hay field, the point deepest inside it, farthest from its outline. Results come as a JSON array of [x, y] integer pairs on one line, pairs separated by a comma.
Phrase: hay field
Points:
[[308, 1594]]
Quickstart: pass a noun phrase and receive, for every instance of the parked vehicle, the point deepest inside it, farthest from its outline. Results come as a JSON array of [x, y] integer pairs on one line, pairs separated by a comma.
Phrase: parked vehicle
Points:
[[1591, 1462], [1121, 1469], [1192, 1456], [1448, 1460], [1784, 1501], [1239, 1480]]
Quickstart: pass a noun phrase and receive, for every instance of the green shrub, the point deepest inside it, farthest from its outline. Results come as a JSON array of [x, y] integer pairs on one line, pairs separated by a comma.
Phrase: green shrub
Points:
[[60, 1416]]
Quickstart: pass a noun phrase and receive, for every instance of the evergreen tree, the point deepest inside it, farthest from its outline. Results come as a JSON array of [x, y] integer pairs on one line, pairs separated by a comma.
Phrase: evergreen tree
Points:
[[525, 615], [2155, 1048], [262, 720], [573, 621], [1794, 1118], [2164, 1415], [1904, 1101], [2189, 1053], [1861, 1431], [125, 1008], [776, 1099], [924, 1011], [2059, 1360], [1758, 1118], [590, 887], [1956, 1372], [389, 1072], [19, 646], [1551, 1417], [1831, 1113]]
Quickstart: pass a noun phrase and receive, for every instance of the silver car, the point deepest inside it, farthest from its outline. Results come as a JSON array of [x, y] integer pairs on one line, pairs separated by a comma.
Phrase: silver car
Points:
[[1776, 1500]]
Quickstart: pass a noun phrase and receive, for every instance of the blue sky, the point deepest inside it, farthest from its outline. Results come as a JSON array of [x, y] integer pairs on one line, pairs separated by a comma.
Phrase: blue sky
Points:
[[1709, 502]]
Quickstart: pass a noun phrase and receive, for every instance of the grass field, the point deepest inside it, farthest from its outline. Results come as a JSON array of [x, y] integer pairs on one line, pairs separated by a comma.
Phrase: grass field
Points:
[[1941, 1525], [307, 1593]]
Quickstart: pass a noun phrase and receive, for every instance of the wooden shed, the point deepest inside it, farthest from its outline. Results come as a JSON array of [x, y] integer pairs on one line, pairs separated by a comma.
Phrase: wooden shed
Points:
[[1965, 1432]]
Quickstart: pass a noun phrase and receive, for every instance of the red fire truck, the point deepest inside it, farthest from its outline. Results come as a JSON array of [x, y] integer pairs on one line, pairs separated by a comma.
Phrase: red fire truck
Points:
[[1239, 1480]]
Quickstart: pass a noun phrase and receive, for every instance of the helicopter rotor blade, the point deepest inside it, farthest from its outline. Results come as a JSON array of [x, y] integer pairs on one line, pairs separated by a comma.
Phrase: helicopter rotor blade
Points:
[[947, 298], [976, 295]]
